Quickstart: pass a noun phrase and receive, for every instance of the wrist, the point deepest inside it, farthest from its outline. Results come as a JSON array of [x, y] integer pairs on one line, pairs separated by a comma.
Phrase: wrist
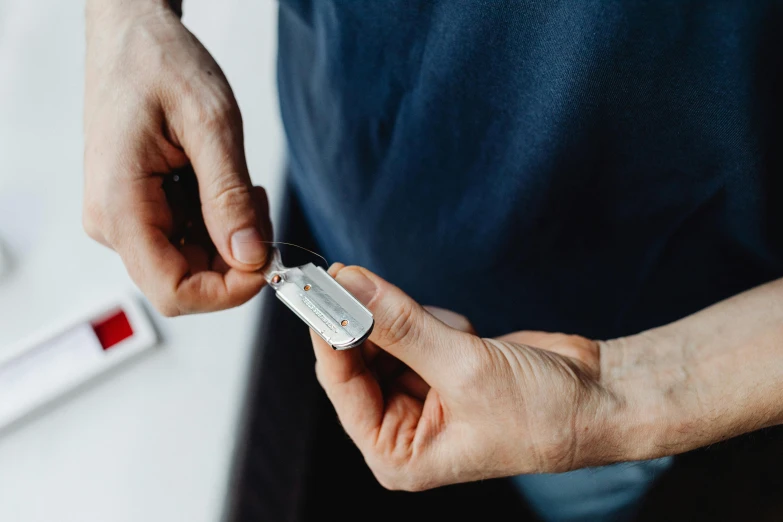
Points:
[[641, 413]]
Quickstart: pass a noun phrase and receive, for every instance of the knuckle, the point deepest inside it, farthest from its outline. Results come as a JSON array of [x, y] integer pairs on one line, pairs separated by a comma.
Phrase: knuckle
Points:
[[384, 481], [91, 222], [97, 222], [400, 481], [167, 307], [319, 375], [399, 321], [383, 469], [451, 318], [417, 486], [395, 471], [215, 112], [389, 479], [230, 194], [412, 483]]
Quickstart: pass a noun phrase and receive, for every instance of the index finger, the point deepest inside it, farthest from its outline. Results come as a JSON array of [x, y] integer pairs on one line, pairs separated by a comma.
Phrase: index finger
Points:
[[163, 274]]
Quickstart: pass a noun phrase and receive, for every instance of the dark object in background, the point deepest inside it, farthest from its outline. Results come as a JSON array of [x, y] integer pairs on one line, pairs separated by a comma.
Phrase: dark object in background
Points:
[[735, 480], [188, 228]]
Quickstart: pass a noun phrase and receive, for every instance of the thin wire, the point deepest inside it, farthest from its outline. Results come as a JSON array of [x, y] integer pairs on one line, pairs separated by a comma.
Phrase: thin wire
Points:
[[293, 245]]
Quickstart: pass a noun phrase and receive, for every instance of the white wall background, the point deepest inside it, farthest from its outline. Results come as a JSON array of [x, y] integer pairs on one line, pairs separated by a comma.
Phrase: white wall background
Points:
[[153, 441]]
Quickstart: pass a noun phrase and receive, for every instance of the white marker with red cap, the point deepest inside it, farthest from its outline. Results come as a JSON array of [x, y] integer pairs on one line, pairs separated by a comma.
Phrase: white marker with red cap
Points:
[[64, 356]]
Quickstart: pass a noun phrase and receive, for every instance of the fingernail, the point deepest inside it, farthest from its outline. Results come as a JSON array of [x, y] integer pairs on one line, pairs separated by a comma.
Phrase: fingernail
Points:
[[247, 246], [357, 283]]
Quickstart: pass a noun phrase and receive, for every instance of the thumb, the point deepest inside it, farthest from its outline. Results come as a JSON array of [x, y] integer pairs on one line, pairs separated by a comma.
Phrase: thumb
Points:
[[404, 328], [232, 215], [451, 318]]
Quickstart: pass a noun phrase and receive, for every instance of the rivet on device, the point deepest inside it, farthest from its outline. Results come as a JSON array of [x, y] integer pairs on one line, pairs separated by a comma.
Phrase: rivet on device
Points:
[[276, 278], [344, 322], [307, 287]]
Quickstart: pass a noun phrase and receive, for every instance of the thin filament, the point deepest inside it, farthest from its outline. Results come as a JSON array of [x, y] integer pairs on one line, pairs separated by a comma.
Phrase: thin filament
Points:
[[293, 245]]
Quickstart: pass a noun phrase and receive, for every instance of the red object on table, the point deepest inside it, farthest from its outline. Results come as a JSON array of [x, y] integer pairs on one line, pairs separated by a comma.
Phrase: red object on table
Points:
[[113, 329]]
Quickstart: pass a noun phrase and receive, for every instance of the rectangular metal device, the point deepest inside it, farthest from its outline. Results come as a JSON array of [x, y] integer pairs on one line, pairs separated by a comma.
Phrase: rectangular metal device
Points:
[[321, 302]]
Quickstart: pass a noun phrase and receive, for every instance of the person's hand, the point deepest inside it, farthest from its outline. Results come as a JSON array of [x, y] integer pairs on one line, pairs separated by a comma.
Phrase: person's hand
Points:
[[429, 403], [156, 101]]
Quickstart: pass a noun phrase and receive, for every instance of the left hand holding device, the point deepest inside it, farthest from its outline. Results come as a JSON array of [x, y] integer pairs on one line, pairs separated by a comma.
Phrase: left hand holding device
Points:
[[429, 404]]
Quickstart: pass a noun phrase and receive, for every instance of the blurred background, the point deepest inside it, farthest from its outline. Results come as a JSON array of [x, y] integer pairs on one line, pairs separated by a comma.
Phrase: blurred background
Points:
[[221, 419], [156, 438]]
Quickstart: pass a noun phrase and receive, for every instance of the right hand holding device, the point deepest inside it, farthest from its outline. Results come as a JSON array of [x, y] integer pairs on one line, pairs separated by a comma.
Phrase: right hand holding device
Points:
[[156, 101]]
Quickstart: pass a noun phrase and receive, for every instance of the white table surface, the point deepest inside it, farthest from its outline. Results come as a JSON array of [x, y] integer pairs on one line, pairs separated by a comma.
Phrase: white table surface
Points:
[[154, 440]]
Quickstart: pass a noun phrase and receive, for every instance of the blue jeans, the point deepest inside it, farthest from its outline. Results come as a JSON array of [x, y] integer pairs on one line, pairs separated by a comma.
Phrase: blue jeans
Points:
[[607, 493]]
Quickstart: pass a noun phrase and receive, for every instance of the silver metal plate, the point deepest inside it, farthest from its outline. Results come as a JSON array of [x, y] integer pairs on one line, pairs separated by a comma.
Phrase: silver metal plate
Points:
[[321, 302]]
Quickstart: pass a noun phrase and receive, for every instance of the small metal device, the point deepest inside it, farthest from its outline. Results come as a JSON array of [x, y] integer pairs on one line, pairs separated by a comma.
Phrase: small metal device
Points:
[[308, 290], [321, 302]]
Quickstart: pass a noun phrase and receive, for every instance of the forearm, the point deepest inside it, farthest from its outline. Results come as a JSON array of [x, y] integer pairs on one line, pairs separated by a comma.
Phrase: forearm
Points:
[[711, 376]]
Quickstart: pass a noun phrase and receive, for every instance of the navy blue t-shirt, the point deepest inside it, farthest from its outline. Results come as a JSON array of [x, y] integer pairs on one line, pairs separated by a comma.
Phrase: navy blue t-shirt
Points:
[[597, 167]]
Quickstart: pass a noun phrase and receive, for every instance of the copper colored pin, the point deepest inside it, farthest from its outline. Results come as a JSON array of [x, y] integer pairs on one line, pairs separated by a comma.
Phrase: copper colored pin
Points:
[[344, 322], [276, 278], [307, 287]]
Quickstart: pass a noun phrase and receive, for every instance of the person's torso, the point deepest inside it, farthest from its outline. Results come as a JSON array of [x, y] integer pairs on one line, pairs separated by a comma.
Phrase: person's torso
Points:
[[595, 167]]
